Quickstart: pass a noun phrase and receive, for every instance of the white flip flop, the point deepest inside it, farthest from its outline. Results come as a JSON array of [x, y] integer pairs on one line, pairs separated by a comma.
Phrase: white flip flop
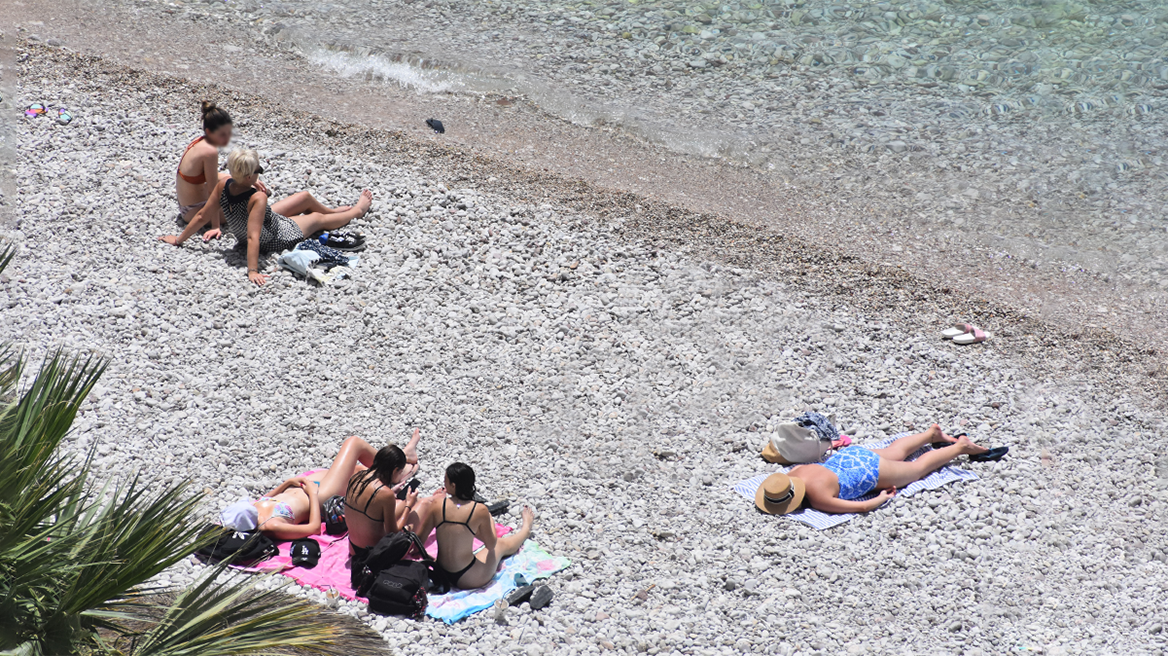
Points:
[[957, 330], [975, 336]]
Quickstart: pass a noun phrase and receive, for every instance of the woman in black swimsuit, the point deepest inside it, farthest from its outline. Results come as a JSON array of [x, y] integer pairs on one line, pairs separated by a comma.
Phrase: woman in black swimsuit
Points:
[[459, 520], [372, 509]]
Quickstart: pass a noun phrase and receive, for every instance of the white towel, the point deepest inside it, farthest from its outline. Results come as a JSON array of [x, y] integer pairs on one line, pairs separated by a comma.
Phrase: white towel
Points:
[[821, 520]]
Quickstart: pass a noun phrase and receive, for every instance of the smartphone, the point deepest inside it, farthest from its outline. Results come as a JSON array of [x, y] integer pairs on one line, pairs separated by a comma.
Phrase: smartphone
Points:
[[413, 485]]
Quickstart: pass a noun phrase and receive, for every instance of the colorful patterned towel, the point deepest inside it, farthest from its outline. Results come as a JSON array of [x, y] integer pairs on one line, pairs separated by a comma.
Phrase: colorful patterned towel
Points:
[[531, 561], [821, 520]]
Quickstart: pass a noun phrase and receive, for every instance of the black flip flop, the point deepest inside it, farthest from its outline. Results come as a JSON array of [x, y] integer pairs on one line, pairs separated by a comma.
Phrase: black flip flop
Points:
[[343, 241], [498, 507], [436, 125], [993, 455], [541, 597], [520, 595]]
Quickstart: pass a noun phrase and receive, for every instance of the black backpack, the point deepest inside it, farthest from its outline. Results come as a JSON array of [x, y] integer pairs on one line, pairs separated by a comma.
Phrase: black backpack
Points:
[[237, 547], [394, 586], [400, 590]]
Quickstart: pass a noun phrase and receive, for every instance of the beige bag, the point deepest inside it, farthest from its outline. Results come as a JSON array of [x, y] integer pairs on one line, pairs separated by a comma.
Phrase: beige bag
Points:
[[791, 444]]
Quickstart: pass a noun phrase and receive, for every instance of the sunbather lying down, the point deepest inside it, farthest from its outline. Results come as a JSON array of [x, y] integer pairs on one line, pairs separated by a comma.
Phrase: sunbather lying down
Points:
[[295, 509], [855, 471]]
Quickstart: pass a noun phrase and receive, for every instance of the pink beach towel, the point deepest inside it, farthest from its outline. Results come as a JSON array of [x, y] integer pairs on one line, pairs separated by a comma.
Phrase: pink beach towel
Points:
[[332, 571]]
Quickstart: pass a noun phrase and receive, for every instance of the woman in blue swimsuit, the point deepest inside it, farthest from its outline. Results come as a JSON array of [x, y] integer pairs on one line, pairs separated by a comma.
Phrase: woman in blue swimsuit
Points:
[[855, 471]]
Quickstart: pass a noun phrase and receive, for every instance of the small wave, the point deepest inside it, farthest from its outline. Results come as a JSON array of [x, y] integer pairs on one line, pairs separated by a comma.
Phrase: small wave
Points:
[[377, 67]]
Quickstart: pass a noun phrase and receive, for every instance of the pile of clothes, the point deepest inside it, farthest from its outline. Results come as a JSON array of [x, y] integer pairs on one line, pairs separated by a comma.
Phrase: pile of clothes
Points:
[[316, 258]]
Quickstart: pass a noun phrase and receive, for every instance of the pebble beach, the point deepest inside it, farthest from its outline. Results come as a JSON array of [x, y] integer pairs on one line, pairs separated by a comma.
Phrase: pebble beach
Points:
[[614, 361]]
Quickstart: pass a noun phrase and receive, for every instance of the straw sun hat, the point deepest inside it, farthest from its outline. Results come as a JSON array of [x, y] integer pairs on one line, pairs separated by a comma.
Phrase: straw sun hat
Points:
[[780, 494]]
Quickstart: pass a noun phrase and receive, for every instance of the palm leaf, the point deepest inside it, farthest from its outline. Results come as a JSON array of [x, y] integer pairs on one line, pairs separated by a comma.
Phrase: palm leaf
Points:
[[226, 618], [38, 480], [11, 366], [6, 256], [135, 535]]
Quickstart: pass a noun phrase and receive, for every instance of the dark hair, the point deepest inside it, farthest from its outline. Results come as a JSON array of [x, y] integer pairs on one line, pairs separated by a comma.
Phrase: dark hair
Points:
[[388, 461], [462, 477], [214, 117]]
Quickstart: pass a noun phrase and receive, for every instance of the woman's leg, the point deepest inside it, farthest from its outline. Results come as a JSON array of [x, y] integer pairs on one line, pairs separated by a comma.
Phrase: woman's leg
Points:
[[411, 451], [355, 450], [904, 447], [419, 518], [300, 202], [486, 562], [316, 221], [895, 473]]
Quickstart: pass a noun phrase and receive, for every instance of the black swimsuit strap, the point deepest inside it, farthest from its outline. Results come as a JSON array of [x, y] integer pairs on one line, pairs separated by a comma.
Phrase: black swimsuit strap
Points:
[[368, 503], [463, 523]]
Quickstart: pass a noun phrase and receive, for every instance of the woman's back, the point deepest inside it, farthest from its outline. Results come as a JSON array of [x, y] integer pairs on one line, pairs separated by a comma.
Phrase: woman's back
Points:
[[457, 524], [278, 233], [366, 508]]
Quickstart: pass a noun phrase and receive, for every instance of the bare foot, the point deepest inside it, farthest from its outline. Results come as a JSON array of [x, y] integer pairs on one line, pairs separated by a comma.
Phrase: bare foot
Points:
[[528, 521], [937, 435], [407, 473], [968, 447], [411, 449], [365, 202]]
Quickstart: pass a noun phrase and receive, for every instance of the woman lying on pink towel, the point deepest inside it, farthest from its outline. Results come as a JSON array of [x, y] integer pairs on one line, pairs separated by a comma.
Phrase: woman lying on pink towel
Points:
[[300, 505]]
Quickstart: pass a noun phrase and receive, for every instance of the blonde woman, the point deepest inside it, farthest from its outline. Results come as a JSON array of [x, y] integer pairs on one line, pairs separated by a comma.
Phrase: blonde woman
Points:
[[264, 228]]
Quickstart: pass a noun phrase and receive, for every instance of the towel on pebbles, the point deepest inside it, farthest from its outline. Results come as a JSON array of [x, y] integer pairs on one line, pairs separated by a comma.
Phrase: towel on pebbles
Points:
[[332, 570], [821, 520], [532, 561]]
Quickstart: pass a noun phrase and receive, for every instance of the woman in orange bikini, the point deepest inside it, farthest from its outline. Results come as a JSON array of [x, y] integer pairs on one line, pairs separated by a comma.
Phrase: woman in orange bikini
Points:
[[198, 168]]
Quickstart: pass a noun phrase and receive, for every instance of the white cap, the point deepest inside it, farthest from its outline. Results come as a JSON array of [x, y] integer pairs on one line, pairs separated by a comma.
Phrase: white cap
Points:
[[241, 516]]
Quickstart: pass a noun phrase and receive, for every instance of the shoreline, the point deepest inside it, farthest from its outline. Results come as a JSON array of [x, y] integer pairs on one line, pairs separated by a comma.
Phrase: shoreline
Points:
[[1091, 352], [665, 317], [807, 204]]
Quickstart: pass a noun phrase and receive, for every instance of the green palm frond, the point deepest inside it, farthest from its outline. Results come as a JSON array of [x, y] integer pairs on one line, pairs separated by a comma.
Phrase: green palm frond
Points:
[[11, 366], [226, 618], [6, 256], [33, 428], [132, 537], [38, 481]]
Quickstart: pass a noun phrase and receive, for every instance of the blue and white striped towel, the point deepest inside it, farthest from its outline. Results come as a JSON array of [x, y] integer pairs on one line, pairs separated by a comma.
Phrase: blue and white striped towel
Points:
[[821, 520]]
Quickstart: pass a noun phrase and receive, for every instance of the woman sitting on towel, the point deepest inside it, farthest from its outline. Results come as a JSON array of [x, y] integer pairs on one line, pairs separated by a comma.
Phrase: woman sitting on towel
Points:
[[855, 471], [372, 509], [244, 206], [459, 519], [295, 509]]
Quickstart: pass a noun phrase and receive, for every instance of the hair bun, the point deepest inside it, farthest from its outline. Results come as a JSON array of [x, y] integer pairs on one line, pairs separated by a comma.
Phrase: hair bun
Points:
[[209, 106]]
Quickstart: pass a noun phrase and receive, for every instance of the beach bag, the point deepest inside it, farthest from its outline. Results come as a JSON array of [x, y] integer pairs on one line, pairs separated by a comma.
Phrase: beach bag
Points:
[[332, 515], [388, 552], [243, 548], [792, 444], [400, 590]]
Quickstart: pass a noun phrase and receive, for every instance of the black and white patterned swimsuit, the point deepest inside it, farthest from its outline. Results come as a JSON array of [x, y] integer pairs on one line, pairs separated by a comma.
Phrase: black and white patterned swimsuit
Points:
[[279, 233]]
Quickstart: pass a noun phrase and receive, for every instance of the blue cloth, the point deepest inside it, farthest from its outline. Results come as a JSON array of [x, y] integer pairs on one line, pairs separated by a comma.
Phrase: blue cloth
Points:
[[532, 561], [857, 469], [327, 255], [819, 424], [298, 261]]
